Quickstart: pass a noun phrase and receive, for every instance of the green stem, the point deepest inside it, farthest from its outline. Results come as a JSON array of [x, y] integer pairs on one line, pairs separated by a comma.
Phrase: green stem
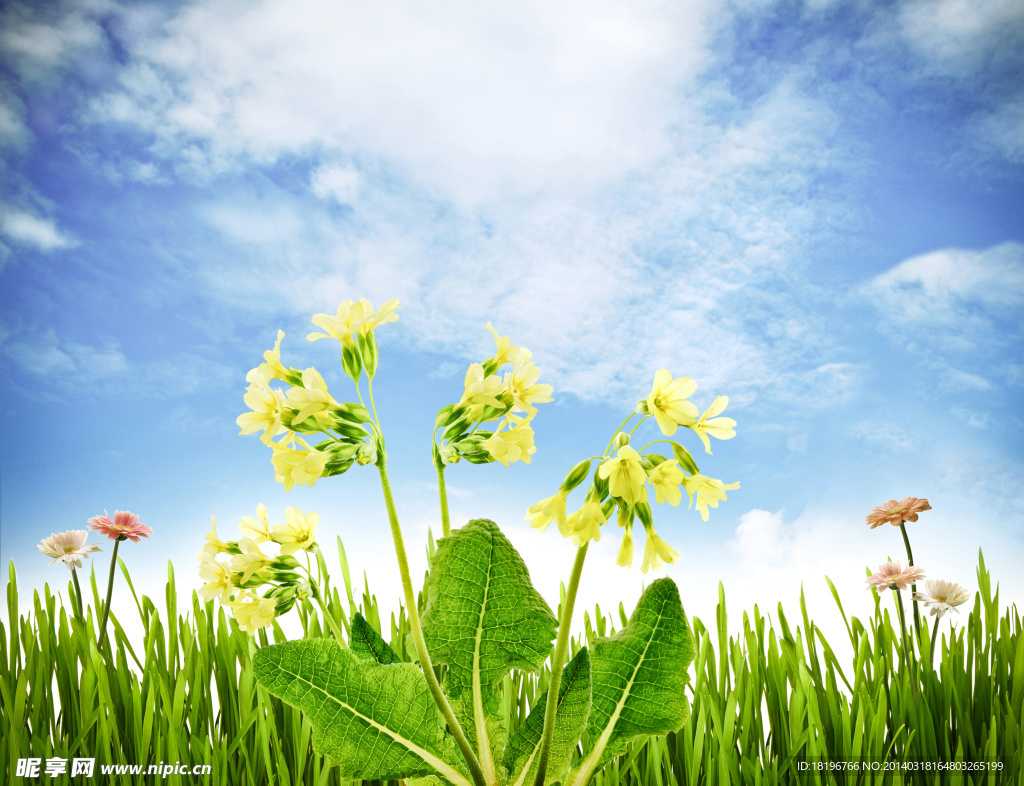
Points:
[[79, 608], [417, 632], [330, 621], [557, 662], [373, 405], [640, 423], [935, 632], [913, 587], [110, 591], [442, 492], [621, 426], [903, 627]]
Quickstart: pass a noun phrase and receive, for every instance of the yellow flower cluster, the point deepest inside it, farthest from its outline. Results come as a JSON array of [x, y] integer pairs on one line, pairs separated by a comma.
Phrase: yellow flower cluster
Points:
[[620, 481], [306, 406], [235, 580], [488, 396]]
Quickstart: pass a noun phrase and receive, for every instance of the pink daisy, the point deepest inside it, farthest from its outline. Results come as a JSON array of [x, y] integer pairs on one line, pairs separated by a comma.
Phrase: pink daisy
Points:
[[124, 525], [895, 513], [895, 575]]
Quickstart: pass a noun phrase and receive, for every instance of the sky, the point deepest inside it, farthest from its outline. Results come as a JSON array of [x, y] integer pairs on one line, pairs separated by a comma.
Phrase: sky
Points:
[[814, 208]]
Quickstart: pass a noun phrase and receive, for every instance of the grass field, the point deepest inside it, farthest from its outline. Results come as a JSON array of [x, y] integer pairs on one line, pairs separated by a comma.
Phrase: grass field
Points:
[[769, 706]]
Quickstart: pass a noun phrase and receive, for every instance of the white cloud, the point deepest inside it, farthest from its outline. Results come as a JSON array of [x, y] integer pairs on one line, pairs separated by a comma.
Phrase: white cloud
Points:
[[889, 437], [471, 99], [38, 42], [979, 420], [44, 354], [13, 131], [341, 183], [29, 229], [962, 37], [761, 537], [956, 298], [1000, 132]]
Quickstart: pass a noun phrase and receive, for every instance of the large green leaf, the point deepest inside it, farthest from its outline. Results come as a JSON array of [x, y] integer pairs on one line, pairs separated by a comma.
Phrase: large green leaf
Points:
[[367, 644], [483, 618], [571, 715], [638, 678], [371, 720]]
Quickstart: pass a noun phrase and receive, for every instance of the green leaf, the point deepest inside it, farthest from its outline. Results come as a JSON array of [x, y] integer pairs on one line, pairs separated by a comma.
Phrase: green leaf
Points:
[[638, 678], [571, 715], [367, 644], [483, 618], [369, 720]]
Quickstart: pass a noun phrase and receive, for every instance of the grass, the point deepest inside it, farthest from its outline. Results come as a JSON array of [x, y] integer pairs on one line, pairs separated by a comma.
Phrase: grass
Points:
[[762, 702]]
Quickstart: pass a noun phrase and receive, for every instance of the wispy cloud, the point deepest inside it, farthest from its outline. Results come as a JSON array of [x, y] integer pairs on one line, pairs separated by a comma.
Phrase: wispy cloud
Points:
[[26, 228], [960, 299]]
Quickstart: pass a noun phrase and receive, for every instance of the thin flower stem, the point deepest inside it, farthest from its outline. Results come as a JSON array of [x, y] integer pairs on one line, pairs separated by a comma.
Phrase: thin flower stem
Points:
[[903, 627], [79, 608], [913, 587], [621, 426], [373, 405], [557, 662], [639, 423], [110, 592], [935, 631], [442, 492], [330, 621], [417, 632]]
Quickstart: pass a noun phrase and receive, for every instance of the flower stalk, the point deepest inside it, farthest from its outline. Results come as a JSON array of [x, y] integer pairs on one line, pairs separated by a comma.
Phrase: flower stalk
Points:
[[110, 592], [417, 631], [913, 586], [557, 662]]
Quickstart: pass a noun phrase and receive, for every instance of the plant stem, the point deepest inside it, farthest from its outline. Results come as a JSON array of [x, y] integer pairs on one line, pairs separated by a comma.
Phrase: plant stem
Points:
[[417, 632], [330, 621], [935, 631], [621, 426], [903, 627], [557, 662], [913, 587], [442, 492], [110, 591], [79, 609]]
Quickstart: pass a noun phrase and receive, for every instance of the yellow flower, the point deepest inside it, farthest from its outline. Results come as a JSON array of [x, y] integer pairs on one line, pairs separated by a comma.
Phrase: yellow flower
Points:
[[505, 350], [667, 402], [214, 545], [312, 398], [625, 557], [666, 478], [708, 490], [271, 367], [217, 577], [719, 428], [267, 406], [381, 316], [252, 612], [481, 391], [258, 529], [297, 533], [251, 561], [584, 524], [657, 552], [521, 383], [625, 475], [516, 444], [295, 465], [343, 325], [548, 510]]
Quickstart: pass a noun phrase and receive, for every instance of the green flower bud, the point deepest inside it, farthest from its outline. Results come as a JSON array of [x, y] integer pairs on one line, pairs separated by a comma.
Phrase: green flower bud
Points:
[[368, 352], [620, 440], [643, 512], [352, 362], [642, 408], [576, 475], [449, 454]]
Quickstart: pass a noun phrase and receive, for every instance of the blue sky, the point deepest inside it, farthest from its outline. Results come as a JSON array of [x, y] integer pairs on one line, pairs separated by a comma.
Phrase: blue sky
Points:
[[814, 208]]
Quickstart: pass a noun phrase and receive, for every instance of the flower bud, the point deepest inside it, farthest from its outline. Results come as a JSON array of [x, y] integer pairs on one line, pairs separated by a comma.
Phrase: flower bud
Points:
[[576, 475], [620, 440], [642, 408], [449, 454]]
